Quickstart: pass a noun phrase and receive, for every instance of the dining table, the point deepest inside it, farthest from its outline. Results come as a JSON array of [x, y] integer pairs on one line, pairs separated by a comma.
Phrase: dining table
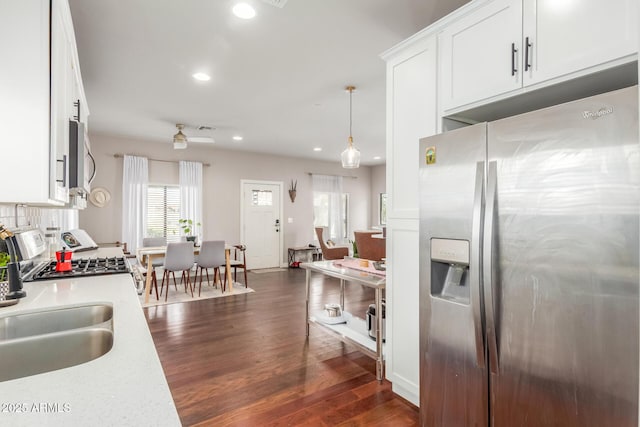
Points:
[[146, 255]]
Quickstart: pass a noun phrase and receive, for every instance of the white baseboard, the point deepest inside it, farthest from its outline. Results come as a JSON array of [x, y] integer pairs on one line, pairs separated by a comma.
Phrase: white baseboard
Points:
[[411, 393]]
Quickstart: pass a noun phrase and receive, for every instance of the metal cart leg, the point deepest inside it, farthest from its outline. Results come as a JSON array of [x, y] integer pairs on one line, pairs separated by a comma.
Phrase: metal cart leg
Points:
[[379, 356], [308, 283]]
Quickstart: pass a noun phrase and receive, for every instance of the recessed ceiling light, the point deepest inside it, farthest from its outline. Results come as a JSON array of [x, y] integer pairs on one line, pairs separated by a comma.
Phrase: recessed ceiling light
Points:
[[237, 138], [244, 11], [377, 158], [317, 149], [201, 77]]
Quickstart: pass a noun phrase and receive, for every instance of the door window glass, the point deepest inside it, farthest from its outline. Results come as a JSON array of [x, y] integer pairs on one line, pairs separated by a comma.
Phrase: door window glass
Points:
[[262, 198]]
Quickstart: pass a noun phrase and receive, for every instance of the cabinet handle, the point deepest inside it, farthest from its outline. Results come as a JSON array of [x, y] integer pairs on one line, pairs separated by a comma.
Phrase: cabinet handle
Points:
[[77, 105], [527, 45], [93, 174], [64, 171], [514, 70]]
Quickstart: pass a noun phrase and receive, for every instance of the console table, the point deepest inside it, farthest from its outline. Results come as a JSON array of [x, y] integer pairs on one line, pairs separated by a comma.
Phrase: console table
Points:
[[315, 254], [355, 331]]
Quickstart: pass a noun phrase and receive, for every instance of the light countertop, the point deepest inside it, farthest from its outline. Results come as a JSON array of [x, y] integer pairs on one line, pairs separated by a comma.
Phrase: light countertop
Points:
[[124, 387]]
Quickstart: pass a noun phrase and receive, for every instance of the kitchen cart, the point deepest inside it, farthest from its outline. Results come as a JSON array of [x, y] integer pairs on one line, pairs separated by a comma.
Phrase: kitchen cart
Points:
[[355, 330]]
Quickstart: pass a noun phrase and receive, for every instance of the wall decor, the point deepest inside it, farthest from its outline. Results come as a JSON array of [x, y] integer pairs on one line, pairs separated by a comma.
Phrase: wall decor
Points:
[[100, 197], [292, 190]]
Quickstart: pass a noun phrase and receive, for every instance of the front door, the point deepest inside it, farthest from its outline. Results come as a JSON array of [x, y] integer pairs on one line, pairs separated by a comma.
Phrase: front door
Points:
[[261, 223]]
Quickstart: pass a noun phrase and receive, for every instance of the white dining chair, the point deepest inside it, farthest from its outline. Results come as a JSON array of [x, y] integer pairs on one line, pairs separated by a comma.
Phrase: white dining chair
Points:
[[179, 257], [211, 256]]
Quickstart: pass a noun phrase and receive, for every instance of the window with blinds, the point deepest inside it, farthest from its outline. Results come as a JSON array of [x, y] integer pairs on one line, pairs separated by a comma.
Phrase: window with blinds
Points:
[[163, 212]]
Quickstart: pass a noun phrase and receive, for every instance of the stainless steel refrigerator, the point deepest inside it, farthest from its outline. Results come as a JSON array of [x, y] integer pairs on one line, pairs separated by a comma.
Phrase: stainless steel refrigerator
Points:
[[529, 268]]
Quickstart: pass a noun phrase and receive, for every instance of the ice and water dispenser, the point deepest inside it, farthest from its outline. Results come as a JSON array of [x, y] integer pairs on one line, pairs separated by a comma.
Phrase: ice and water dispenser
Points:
[[450, 269]]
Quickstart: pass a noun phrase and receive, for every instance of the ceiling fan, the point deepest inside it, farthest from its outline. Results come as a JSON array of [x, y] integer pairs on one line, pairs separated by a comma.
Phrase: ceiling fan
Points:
[[180, 139]]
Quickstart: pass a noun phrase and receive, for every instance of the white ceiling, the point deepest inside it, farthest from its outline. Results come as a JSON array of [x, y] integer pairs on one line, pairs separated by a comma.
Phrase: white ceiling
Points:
[[277, 80]]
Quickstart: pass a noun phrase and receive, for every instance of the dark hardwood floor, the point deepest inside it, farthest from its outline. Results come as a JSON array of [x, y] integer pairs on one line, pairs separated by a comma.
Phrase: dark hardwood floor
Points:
[[244, 360]]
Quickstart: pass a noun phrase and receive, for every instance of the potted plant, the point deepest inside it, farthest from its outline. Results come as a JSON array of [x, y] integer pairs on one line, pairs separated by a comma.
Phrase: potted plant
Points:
[[188, 229], [355, 249], [4, 260]]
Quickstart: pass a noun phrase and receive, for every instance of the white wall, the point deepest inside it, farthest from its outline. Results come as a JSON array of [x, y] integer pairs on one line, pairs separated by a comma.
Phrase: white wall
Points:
[[222, 187]]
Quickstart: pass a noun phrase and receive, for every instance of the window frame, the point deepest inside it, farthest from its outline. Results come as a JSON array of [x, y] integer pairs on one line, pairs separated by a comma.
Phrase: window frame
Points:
[[382, 209]]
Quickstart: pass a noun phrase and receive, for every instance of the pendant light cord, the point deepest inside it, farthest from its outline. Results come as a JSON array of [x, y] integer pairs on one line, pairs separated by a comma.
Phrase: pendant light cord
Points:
[[350, 89], [350, 114]]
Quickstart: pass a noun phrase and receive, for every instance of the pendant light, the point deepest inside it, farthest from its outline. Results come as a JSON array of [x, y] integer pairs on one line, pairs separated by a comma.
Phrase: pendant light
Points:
[[351, 155]]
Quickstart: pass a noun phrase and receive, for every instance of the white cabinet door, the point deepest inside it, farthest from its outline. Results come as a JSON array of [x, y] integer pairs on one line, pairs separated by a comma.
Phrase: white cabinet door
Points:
[[61, 91], [38, 86], [566, 36], [24, 99], [411, 115], [480, 54]]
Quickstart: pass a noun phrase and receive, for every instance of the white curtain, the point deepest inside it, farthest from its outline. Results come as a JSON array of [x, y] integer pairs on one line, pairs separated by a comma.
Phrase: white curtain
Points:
[[191, 194], [332, 186], [135, 180]]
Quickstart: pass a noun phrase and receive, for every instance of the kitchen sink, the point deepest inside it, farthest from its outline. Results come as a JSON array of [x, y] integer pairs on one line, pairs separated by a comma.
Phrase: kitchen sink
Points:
[[37, 354], [54, 338], [53, 320]]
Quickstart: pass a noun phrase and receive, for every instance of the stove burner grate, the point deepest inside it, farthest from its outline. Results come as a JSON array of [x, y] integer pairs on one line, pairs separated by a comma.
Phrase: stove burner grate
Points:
[[84, 267]]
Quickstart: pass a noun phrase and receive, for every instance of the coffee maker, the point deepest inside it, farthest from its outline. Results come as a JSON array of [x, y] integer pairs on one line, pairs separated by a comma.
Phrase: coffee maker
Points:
[[63, 260]]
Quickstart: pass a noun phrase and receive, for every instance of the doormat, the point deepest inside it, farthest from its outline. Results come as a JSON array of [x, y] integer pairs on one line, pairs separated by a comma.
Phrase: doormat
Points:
[[268, 270], [208, 291]]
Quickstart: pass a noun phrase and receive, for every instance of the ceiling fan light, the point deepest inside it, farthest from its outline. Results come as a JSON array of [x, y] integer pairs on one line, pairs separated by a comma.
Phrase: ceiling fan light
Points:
[[179, 139]]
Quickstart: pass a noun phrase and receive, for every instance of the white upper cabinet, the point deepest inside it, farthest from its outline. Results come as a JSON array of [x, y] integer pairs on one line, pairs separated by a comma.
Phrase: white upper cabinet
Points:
[[566, 36], [508, 45], [39, 83], [479, 54]]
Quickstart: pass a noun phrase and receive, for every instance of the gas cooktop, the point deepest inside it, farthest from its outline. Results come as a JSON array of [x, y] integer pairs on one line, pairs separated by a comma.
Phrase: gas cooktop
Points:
[[81, 268]]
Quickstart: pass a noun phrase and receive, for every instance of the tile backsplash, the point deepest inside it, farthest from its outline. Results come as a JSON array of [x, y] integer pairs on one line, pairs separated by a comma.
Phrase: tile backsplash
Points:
[[23, 216]]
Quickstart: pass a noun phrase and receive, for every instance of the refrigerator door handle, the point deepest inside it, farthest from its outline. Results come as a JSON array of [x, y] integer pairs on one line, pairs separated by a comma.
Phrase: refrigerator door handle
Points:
[[488, 266], [475, 263]]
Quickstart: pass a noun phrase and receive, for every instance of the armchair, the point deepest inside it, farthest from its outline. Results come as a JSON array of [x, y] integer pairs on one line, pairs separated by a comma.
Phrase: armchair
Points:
[[371, 248], [334, 252]]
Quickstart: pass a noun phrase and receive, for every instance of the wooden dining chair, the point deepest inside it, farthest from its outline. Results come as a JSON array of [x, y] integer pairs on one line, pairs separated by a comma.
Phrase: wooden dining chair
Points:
[[157, 262], [211, 256], [179, 257], [239, 261]]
